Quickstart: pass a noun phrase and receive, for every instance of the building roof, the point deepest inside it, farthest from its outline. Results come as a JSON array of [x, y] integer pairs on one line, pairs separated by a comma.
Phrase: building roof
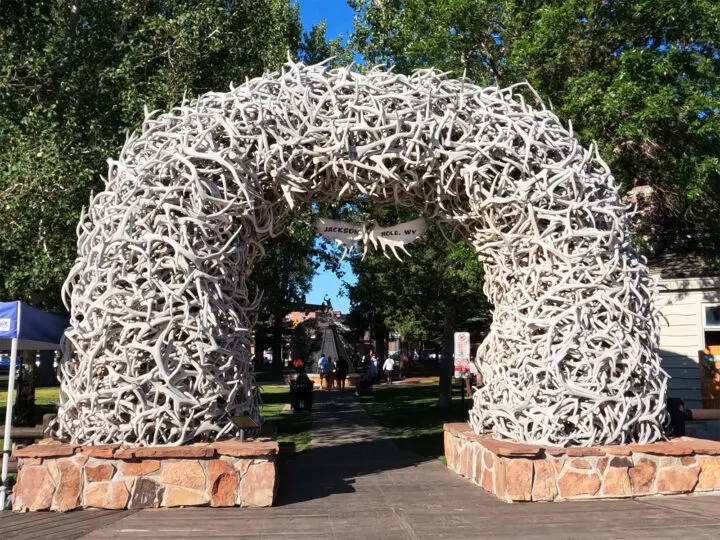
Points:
[[673, 265]]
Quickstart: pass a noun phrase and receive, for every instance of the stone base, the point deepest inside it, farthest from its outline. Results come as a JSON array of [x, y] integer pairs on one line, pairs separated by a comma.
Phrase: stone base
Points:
[[62, 477], [524, 472]]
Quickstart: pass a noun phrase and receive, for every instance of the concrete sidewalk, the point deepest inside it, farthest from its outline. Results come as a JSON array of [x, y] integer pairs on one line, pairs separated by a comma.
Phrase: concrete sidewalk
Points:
[[355, 483]]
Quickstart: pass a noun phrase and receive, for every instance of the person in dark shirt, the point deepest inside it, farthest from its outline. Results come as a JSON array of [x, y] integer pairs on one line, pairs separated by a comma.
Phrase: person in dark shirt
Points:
[[341, 372]]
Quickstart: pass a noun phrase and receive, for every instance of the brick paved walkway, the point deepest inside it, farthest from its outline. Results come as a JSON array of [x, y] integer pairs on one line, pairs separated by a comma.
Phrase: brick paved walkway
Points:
[[355, 483]]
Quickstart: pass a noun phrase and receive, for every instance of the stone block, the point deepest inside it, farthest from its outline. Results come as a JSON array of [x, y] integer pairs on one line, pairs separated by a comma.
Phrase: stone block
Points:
[[574, 484], [518, 479], [69, 489], [166, 452], [186, 473], [34, 490], [112, 495], [678, 480], [602, 463], [579, 463], [223, 490], [625, 462], [579, 451], [543, 488], [258, 485], [45, 450], [138, 468], [617, 482], [242, 465], [642, 477], [488, 481], [146, 493], [616, 450], [709, 473], [105, 451], [675, 447], [252, 448], [511, 449], [99, 472], [701, 446], [178, 496]]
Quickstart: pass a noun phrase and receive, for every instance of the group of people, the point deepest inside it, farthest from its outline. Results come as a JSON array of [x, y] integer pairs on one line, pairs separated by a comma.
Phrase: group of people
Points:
[[333, 371]]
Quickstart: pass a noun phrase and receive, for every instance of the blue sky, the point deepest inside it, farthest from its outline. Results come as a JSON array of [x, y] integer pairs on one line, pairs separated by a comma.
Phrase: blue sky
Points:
[[337, 14], [339, 19]]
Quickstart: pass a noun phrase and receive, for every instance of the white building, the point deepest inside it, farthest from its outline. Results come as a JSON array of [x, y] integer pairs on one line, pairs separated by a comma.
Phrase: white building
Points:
[[690, 303]]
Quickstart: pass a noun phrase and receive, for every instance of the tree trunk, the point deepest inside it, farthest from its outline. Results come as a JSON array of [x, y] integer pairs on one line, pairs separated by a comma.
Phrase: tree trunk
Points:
[[447, 363], [277, 342], [380, 349], [24, 410], [259, 347]]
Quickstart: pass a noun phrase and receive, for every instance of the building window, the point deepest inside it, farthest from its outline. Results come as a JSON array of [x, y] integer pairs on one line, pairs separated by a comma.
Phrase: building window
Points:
[[711, 324]]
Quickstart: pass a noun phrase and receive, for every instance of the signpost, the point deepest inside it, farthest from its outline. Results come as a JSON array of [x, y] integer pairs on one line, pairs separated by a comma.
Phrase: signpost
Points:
[[462, 360], [243, 423], [462, 354]]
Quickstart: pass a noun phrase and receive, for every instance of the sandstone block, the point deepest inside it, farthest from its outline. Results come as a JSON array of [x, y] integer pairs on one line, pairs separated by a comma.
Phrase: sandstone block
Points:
[[34, 490], [146, 493], [602, 464], [67, 494], [621, 462], [258, 485], [189, 474], [617, 482], [223, 490], [518, 479], [177, 496], [105, 451], [111, 495], [674, 447], [544, 481], [45, 450], [256, 448], [642, 476], [242, 465], [580, 451], [488, 481], [576, 484], [100, 472], [580, 464], [138, 468], [709, 473], [678, 480]]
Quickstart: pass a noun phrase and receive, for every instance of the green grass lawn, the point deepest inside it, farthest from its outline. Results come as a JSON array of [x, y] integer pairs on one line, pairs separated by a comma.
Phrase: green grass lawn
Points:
[[411, 417], [292, 428]]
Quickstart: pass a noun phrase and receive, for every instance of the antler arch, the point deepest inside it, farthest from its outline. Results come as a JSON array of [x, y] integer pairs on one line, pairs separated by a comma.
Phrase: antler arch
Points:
[[160, 310]]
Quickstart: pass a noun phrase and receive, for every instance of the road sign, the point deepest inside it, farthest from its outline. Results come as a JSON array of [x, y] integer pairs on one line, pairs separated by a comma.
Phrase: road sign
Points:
[[462, 354]]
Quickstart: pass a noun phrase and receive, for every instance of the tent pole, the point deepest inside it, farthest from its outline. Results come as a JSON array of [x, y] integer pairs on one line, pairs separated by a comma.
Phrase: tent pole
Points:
[[8, 425]]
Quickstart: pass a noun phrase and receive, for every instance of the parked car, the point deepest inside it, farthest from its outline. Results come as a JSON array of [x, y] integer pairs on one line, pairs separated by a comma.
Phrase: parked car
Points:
[[5, 364]]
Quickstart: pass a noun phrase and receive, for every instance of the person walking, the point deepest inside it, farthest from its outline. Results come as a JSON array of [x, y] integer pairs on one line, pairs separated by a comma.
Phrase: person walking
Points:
[[341, 371], [388, 367], [323, 369], [330, 372]]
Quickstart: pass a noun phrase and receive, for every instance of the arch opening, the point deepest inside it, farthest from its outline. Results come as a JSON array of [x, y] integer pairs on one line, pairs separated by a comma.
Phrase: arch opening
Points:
[[160, 309]]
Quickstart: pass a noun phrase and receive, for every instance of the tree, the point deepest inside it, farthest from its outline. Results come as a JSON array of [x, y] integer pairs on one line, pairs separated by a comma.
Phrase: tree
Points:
[[640, 78], [74, 78]]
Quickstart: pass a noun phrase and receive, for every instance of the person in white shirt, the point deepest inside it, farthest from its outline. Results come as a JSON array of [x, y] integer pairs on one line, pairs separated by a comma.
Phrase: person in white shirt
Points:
[[388, 367]]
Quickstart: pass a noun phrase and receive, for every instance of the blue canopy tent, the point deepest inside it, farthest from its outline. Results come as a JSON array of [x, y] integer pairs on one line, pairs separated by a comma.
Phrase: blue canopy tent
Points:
[[23, 328]]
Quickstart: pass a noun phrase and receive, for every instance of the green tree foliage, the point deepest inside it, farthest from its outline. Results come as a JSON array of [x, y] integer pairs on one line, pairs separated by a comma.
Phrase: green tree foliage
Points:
[[74, 78], [641, 78]]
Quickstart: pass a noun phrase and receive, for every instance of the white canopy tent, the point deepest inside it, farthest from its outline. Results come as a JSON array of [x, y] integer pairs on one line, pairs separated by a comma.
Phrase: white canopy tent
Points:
[[23, 328]]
